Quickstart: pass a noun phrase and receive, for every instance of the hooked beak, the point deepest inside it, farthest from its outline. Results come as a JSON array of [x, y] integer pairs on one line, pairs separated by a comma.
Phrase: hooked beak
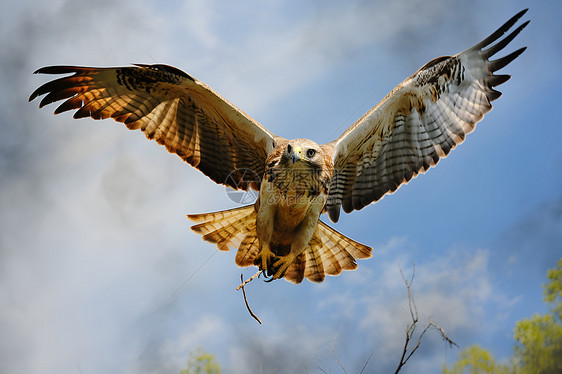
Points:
[[296, 154]]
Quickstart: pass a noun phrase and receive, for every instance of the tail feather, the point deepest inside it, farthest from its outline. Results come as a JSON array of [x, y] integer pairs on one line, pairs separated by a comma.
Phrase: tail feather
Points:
[[314, 269], [228, 228], [249, 248], [329, 252], [331, 263], [228, 235], [295, 272]]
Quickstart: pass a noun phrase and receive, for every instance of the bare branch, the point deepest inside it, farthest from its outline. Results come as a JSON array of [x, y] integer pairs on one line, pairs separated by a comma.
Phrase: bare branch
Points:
[[366, 362], [443, 335], [245, 282], [411, 329], [417, 343], [338, 361], [411, 302], [244, 292]]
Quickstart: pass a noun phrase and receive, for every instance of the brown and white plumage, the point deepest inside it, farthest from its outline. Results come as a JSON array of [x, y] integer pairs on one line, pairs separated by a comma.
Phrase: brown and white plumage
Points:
[[171, 107], [416, 124], [329, 251], [409, 131]]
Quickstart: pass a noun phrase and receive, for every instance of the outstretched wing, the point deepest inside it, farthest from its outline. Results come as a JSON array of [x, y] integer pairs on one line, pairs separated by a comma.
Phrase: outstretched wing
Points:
[[419, 122], [171, 107]]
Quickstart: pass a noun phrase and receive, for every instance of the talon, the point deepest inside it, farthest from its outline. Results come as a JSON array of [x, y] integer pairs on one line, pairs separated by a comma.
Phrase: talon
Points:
[[266, 277], [267, 258], [281, 266]]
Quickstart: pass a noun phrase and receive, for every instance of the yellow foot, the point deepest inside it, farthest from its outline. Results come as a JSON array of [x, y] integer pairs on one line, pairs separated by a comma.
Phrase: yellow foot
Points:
[[266, 258], [281, 266]]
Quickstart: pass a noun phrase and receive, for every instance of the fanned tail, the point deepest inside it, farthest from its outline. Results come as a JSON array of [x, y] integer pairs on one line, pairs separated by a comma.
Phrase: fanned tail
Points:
[[230, 229], [329, 252]]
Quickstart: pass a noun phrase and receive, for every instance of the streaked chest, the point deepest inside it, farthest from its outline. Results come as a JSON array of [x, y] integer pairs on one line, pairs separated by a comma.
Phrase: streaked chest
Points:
[[294, 195]]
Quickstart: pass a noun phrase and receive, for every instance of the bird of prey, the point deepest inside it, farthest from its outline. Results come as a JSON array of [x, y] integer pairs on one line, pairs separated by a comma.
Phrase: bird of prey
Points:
[[410, 130]]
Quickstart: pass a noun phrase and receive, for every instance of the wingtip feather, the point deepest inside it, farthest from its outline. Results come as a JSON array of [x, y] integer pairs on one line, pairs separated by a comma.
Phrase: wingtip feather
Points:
[[501, 62], [501, 30]]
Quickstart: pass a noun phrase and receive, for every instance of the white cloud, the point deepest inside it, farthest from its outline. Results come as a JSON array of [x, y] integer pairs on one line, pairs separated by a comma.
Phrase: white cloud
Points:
[[262, 68], [173, 354], [199, 18], [286, 350], [454, 290], [93, 230]]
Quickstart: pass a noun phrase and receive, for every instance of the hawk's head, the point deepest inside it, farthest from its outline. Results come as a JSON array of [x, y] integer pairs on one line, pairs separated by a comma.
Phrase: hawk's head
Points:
[[303, 162], [300, 164], [302, 153]]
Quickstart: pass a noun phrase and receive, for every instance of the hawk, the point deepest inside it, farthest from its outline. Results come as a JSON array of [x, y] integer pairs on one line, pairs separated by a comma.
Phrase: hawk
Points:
[[410, 130]]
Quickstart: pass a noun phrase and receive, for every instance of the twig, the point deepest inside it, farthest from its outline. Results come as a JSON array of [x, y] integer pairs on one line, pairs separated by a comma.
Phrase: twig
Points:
[[244, 292], [245, 282], [412, 327], [366, 362], [338, 361], [443, 335]]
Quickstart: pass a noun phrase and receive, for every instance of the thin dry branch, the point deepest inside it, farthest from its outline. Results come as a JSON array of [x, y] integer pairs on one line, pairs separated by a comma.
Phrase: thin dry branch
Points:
[[245, 282], [338, 361], [244, 292], [443, 335], [366, 362], [411, 329]]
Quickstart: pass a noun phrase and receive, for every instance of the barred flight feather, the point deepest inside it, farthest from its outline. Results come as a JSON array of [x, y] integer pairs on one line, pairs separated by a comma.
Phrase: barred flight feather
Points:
[[172, 108], [418, 123]]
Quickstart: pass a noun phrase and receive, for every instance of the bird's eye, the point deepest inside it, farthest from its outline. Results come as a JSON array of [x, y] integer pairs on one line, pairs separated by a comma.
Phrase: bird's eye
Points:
[[310, 153], [289, 148]]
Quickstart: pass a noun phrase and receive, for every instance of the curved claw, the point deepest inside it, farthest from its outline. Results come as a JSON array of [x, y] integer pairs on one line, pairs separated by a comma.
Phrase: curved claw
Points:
[[267, 278]]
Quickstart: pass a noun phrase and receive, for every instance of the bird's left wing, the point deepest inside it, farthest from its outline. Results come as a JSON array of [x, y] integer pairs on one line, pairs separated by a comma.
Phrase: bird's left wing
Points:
[[419, 122], [174, 109]]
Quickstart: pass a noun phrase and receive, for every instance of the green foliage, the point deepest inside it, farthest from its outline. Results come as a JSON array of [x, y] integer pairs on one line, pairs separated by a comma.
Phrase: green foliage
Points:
[[538, 340], [476, 359], [539, 344], [553, 290], [201, 363]]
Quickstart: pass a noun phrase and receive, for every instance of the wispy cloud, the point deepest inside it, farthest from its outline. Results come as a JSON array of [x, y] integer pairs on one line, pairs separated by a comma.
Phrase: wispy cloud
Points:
[[453, 291], [93, 235]]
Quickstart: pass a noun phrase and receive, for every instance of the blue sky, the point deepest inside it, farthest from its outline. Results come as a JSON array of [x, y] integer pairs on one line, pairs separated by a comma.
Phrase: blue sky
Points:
[[99, 272]]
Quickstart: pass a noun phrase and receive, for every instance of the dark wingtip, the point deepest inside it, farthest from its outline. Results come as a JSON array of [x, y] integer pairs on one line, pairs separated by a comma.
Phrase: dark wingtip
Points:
[[493, 95], [38, 92], [43, 70], [57, 69], [33, 95], [504, 42], [501, 62], [502, 30], [520, 14], [334, 214], [496, 80], [168, 69]]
